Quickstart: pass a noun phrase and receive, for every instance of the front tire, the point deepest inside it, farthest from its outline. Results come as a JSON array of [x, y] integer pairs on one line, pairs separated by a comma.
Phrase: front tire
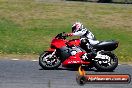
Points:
[[49, 63], [110, 66]]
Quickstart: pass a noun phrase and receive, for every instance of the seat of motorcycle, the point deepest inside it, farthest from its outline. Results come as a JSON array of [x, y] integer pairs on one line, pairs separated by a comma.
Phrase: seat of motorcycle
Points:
[[105, 43]]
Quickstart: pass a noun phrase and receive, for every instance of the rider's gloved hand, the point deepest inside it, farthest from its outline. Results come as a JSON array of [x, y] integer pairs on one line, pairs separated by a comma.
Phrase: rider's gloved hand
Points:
[[69, 34]]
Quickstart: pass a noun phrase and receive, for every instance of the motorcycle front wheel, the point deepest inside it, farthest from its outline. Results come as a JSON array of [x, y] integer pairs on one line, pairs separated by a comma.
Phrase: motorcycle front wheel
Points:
[[109, 64], [47, 62]]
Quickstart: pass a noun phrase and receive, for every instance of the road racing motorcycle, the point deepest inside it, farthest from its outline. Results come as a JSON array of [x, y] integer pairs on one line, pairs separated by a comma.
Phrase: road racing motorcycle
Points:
[[70, 54]]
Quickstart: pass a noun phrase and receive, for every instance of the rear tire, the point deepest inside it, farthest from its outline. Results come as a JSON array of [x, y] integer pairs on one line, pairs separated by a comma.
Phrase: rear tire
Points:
[[46, 63], [112, 67]]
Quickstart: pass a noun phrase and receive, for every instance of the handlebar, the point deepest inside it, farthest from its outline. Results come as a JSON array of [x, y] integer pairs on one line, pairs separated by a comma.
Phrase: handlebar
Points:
[[61, 36]]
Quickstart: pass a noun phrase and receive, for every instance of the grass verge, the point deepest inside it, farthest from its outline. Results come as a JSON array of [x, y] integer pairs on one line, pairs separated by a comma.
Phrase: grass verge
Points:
[[27, 27]]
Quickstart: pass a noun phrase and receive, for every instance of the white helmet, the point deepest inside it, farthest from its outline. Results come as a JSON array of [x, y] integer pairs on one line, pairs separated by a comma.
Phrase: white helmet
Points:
[[77, 26]]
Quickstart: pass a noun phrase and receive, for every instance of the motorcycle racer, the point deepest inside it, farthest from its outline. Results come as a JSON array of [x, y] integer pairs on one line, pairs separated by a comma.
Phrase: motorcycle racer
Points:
[[86, 36]]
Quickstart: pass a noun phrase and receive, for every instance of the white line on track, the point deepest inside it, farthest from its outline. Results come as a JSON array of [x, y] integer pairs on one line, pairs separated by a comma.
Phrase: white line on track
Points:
[[34, 60], [19, 59], [15, 59]]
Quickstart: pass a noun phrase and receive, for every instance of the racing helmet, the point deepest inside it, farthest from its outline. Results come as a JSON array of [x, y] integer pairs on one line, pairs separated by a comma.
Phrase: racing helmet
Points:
[[77, 26]]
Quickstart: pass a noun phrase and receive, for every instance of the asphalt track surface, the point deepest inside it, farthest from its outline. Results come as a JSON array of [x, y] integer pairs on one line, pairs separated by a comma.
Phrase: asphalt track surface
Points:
[[28, 74]]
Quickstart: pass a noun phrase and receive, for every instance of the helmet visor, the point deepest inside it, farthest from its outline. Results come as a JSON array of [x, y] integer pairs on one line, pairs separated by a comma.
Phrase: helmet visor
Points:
[[73, 29]]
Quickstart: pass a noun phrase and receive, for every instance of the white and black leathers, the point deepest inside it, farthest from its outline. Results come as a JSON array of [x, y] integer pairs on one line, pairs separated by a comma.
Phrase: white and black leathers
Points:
[[84, 33]]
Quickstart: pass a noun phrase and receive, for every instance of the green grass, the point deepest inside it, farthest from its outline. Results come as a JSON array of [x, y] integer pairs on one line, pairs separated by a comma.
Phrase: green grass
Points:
[[27, 27]]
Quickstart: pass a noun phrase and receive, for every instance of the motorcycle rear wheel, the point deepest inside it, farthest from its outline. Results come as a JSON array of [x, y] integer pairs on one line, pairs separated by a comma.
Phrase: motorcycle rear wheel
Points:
[[49, 63], [107, 67]]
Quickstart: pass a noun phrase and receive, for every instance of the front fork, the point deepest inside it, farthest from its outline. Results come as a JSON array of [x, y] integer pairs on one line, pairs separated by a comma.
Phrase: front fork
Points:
[[53, 53]]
